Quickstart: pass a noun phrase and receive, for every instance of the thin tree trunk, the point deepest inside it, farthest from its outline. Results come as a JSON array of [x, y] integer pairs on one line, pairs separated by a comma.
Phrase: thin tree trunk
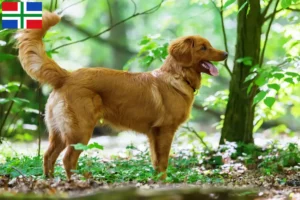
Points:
[[118, 34], [239, 116]]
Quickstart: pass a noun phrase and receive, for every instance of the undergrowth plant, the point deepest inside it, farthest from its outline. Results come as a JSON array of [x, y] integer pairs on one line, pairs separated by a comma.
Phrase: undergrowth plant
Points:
[[199, 167]]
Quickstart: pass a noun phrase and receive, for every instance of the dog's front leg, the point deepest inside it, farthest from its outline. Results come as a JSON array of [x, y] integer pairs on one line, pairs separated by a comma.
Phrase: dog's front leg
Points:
[[160, 140]]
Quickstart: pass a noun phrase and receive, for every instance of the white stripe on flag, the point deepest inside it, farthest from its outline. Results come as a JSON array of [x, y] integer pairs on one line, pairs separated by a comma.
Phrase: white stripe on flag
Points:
[[13, 12]]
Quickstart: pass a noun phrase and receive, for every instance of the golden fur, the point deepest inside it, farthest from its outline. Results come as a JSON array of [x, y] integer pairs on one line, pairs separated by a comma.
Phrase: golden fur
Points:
[[154, 103]]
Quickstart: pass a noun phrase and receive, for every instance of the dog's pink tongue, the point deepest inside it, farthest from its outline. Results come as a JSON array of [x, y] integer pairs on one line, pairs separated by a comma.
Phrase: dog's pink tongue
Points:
[[211, 68]]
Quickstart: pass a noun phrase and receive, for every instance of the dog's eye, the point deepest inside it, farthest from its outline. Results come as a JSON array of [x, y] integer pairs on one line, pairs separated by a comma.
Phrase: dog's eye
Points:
[[203, 48]]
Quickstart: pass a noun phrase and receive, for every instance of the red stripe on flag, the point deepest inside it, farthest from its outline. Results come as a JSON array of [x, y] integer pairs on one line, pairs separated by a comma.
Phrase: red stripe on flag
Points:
[[10, 6], [34, 24]]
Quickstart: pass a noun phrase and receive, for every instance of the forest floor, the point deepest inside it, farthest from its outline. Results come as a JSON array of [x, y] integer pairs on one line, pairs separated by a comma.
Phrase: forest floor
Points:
[[233, 171]]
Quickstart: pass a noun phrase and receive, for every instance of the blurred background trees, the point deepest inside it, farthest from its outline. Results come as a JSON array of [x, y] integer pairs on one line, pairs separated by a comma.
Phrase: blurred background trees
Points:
[[258, 86]]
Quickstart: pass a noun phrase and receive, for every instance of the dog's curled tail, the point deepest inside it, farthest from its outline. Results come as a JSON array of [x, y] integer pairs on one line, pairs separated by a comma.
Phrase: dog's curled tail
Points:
[[33, 56]]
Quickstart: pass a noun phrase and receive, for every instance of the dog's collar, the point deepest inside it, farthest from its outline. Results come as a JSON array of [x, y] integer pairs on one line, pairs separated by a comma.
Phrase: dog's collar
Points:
[[194, 89]]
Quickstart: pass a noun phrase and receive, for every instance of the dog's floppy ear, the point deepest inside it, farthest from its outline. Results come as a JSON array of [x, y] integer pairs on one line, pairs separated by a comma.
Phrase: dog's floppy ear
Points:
[[181, 50]]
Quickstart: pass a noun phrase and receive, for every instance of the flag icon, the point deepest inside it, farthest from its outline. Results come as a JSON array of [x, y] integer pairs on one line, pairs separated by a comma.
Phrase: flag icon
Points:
[[22, 15]]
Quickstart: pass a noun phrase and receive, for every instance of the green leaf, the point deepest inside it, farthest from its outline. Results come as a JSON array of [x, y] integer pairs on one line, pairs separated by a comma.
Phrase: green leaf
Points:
[[260, 96], [269, 101], [260, 81], [293, 74], [3, 100], [250, 77], [246, 61], [4, 56], [2, 88], [18, 100], [31, 110], [278, 76], [83, 147], [241, 8], [228, 3], [147, 60], [295, 110], [95, 145], [289, 80], [80, 146], [274, 86], [145, 40], [249, 88], [286, 3], [258, 125], [12, 86]]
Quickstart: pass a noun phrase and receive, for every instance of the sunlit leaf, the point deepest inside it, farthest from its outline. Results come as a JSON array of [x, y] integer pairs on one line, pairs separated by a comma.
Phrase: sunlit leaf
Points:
[[18, 100], [3, 100], [241, 8], [145, 40], [246, 61], [260, 81], [83, 147], [95, 145], [228, 3], [250, 77], [286, 3], [293, 74], [278, 76], [260, 96], [295, 110], [269, 101], [31, 110], [258, 125], [274, 86], [289, 80]]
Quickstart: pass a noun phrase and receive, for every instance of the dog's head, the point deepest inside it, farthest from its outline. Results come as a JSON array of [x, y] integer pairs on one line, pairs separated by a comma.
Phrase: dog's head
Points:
[[195, 51]]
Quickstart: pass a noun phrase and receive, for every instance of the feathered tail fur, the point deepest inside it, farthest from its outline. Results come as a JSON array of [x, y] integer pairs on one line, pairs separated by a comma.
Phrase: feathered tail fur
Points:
[[33, 57]]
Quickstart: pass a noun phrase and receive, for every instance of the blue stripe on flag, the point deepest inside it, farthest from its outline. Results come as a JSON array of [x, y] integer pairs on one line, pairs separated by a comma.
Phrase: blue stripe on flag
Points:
[[34, 6], [9, 23]]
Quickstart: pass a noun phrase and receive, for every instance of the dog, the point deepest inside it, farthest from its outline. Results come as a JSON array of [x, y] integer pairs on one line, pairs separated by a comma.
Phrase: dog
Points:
[[154, 103]]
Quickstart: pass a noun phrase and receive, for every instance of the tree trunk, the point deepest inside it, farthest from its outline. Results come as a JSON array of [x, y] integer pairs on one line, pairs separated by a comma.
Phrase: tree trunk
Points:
[[239, 116], [118, 34]]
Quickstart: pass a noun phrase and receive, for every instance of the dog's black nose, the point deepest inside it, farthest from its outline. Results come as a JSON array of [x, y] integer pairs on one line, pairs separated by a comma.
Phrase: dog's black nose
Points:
[[225, 54]]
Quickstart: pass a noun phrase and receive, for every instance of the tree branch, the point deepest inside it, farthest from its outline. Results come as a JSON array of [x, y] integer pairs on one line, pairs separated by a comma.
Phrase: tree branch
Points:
[[210, 111], [110, 13], [224, 33], [267, 35], [120, 47], [149, 11], [277, 11], [61, 11], [134, 4], [264, 13], [192, 130]]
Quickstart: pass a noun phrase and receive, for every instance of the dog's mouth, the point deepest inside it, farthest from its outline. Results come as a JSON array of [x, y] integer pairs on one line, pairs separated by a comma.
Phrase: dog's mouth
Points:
[[208, 68]]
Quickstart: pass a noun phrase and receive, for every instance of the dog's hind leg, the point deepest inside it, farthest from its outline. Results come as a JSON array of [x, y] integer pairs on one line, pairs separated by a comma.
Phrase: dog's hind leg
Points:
[[56, 146], [71, 156]]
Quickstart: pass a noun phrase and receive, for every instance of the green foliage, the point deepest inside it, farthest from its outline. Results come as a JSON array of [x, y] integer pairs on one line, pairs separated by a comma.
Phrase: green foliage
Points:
[[204, 166], [83, 147], [269, 79], [151, 49], [18, 166], [276, 159]]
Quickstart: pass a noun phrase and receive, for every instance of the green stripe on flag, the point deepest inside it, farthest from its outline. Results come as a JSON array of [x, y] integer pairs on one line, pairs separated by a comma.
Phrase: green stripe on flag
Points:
[[25, 15], [22, 13]]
